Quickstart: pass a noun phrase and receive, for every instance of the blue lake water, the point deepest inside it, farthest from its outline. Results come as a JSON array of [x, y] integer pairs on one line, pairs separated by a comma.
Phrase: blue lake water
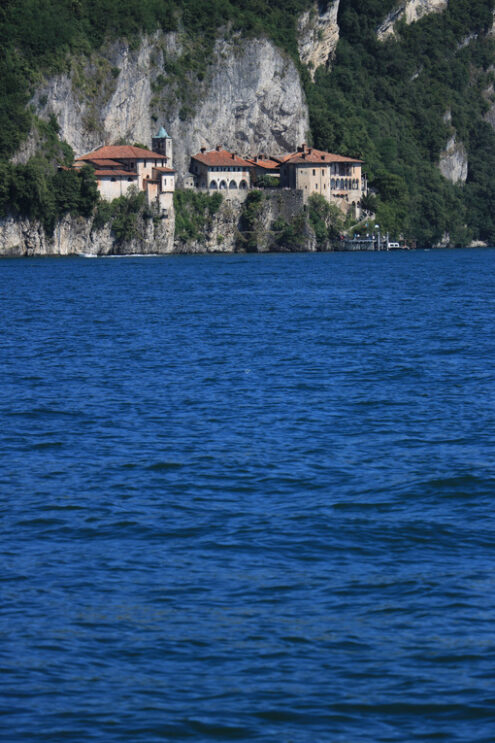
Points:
[[248, 498]]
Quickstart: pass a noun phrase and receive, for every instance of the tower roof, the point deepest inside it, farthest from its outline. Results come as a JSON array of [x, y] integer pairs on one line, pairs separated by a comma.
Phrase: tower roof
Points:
[[162, 134]]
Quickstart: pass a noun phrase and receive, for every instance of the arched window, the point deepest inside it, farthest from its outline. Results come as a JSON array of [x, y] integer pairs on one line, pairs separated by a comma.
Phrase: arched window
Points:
[[223, 185], [243, 184], [213, 184], [332, 185], [232, 184]]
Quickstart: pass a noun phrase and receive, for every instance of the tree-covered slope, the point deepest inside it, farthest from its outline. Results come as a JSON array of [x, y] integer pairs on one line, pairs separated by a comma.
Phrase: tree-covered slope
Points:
[[394, 103], [389, 101]]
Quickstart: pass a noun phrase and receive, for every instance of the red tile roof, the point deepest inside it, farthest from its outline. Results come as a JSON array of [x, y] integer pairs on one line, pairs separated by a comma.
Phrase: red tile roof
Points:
[[221, 158], [310, 155], [164, 170], [122, 152], [115, 172], [104, 163], [268, 164]]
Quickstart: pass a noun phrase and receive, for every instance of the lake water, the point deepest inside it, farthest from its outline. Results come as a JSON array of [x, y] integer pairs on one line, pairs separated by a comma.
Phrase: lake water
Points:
[[248, 498]]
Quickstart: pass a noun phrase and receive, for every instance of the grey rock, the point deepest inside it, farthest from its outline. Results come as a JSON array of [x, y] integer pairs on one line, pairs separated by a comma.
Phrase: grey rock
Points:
[[318, 35], [251, 99], [454, 161], [410, 11]]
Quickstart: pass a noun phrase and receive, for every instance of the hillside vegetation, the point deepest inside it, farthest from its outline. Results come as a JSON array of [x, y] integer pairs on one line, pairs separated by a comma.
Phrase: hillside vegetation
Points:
[[386, 102]]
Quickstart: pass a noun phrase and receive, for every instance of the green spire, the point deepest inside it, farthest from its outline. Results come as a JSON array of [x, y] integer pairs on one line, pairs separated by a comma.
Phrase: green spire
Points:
[[162, 134]]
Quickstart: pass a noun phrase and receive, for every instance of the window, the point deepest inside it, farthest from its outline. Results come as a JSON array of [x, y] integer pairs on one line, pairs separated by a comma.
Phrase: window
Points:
[[314, 172]]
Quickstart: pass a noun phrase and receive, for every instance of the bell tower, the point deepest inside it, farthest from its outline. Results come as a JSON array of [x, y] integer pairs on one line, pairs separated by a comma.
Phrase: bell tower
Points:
[[162, 144]]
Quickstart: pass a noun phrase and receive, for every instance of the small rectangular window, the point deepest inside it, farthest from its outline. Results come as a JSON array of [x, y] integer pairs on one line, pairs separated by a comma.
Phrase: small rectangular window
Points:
[[314, 172]]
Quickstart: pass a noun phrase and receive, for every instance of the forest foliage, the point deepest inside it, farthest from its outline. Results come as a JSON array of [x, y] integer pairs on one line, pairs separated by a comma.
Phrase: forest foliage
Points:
[[394, 104], [397, 103]]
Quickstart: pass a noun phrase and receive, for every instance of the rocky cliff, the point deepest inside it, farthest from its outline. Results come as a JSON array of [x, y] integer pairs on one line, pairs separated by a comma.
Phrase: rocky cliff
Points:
[[318, 35], [229, 231], [224, 232], [453, 161], [249, 100], [409, 11], [78, 236]]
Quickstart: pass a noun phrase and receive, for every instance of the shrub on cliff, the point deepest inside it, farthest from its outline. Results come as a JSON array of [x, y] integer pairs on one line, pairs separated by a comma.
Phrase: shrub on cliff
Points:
[[36, 192], [193, 213], [325, 219]]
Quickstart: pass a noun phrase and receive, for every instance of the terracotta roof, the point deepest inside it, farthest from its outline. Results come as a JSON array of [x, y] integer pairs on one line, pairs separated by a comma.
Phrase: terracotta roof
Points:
[[115, 172], [282, 158], [104, 163], [221, 158], [164, 170], [266, 164], [122, 152], [310, 155]]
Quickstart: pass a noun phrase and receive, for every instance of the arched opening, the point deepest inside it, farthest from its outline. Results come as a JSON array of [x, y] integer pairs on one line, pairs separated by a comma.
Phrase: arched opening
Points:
[[332, 185], [232, 184], [243, 184], [213, 185], [223, 185]]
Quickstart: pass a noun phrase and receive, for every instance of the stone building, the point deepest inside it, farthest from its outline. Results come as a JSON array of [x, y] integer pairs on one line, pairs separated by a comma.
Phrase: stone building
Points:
[[221, 170], [121, 167], [337, 178]]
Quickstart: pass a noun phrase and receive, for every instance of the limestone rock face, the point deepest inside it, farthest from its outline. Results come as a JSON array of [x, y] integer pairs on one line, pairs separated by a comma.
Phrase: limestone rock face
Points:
[[250, 100], [253, 102], [410, 11], [75, 236], [318, 35], [454, 161]]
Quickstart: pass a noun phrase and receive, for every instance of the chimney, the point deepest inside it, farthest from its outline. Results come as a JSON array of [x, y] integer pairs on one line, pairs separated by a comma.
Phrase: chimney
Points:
[[310, 150], [218, 148], [234, 155], [323, 157], [203, 149]]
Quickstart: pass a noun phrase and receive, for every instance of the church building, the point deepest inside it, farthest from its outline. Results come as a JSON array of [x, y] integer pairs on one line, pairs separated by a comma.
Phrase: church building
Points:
[[121, 167]]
